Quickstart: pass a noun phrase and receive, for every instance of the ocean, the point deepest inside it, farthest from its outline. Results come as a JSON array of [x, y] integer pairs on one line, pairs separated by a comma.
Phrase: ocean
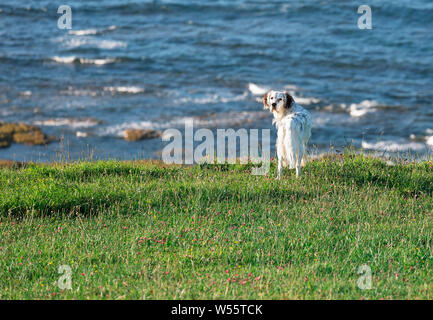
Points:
[[155, 64]]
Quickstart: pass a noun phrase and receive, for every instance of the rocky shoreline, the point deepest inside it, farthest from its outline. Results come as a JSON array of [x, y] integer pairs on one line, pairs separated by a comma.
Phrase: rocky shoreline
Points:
[[141, 134], [22, 133]]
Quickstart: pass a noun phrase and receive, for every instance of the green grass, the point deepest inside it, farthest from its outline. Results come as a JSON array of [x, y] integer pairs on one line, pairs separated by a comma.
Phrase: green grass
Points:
[[149, 231]]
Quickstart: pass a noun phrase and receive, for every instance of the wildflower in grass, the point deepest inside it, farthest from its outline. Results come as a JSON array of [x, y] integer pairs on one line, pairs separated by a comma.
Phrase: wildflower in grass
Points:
[[82, 273], [227, 271]]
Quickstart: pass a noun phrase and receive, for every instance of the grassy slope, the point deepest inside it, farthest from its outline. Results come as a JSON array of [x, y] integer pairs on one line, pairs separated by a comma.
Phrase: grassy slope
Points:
[[144, 230]]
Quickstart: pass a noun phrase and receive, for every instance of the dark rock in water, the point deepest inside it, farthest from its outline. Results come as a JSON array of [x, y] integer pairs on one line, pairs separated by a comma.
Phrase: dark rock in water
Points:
[[22, 133], [5, 140], [140, 134]]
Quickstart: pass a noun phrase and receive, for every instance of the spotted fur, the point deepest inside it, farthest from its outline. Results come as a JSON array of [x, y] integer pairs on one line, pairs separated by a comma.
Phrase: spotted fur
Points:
[[293, 124]]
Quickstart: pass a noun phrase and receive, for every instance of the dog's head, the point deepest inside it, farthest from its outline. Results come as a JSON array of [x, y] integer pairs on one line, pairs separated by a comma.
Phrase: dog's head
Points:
[[277, 101]]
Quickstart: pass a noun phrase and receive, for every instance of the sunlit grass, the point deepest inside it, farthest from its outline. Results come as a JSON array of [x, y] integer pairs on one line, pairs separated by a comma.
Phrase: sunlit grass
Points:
[[143, 230]]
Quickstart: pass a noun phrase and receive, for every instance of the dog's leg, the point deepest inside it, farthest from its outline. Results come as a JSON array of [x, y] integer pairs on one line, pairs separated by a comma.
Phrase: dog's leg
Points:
[[280, 168], [299, 158], [298, 169], [279, 155], [304, 161]]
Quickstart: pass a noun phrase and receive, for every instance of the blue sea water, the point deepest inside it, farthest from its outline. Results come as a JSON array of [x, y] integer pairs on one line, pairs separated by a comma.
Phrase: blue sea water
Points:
[[153, 64]]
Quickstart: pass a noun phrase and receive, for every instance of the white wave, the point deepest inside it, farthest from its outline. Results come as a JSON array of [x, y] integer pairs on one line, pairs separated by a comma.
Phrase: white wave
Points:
[[211, 98], [26, 93], [221, 120], [326, 119], [64, 59], [110, 44], [97, 61], [362, 108], [79, 92], [225, 119], [87, 32], [305, 100], [393, 146], [257, 90], [119, 129], [101, 44], [133, 90], [83, 32], [292, 89], [93, 93], [429, 131], [429, 140], [81, 134], [73, 59], [240, 97], [68, 122]]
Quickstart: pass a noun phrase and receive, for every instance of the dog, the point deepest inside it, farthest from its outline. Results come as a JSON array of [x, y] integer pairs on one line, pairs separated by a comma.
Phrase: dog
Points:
[[293, 124]]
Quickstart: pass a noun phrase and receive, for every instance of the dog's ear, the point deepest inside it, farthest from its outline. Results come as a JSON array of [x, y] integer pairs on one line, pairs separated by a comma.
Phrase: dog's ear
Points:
[[265, 101], [289, 100]]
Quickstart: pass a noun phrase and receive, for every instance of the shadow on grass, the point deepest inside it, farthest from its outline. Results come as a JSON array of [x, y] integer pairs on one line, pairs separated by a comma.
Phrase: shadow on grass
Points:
[[80, 206], [92, 172], [185, 197], [407, 181]]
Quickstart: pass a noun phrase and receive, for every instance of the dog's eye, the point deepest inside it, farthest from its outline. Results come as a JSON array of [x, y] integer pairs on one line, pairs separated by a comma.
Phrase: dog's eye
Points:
[[280, 99]]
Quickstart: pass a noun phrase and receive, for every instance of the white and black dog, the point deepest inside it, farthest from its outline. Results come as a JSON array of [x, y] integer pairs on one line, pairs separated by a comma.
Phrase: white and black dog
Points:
[[294, 129]]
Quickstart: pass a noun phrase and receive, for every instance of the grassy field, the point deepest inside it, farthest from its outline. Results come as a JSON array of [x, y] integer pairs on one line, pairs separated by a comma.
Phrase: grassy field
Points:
[[143, 230]]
